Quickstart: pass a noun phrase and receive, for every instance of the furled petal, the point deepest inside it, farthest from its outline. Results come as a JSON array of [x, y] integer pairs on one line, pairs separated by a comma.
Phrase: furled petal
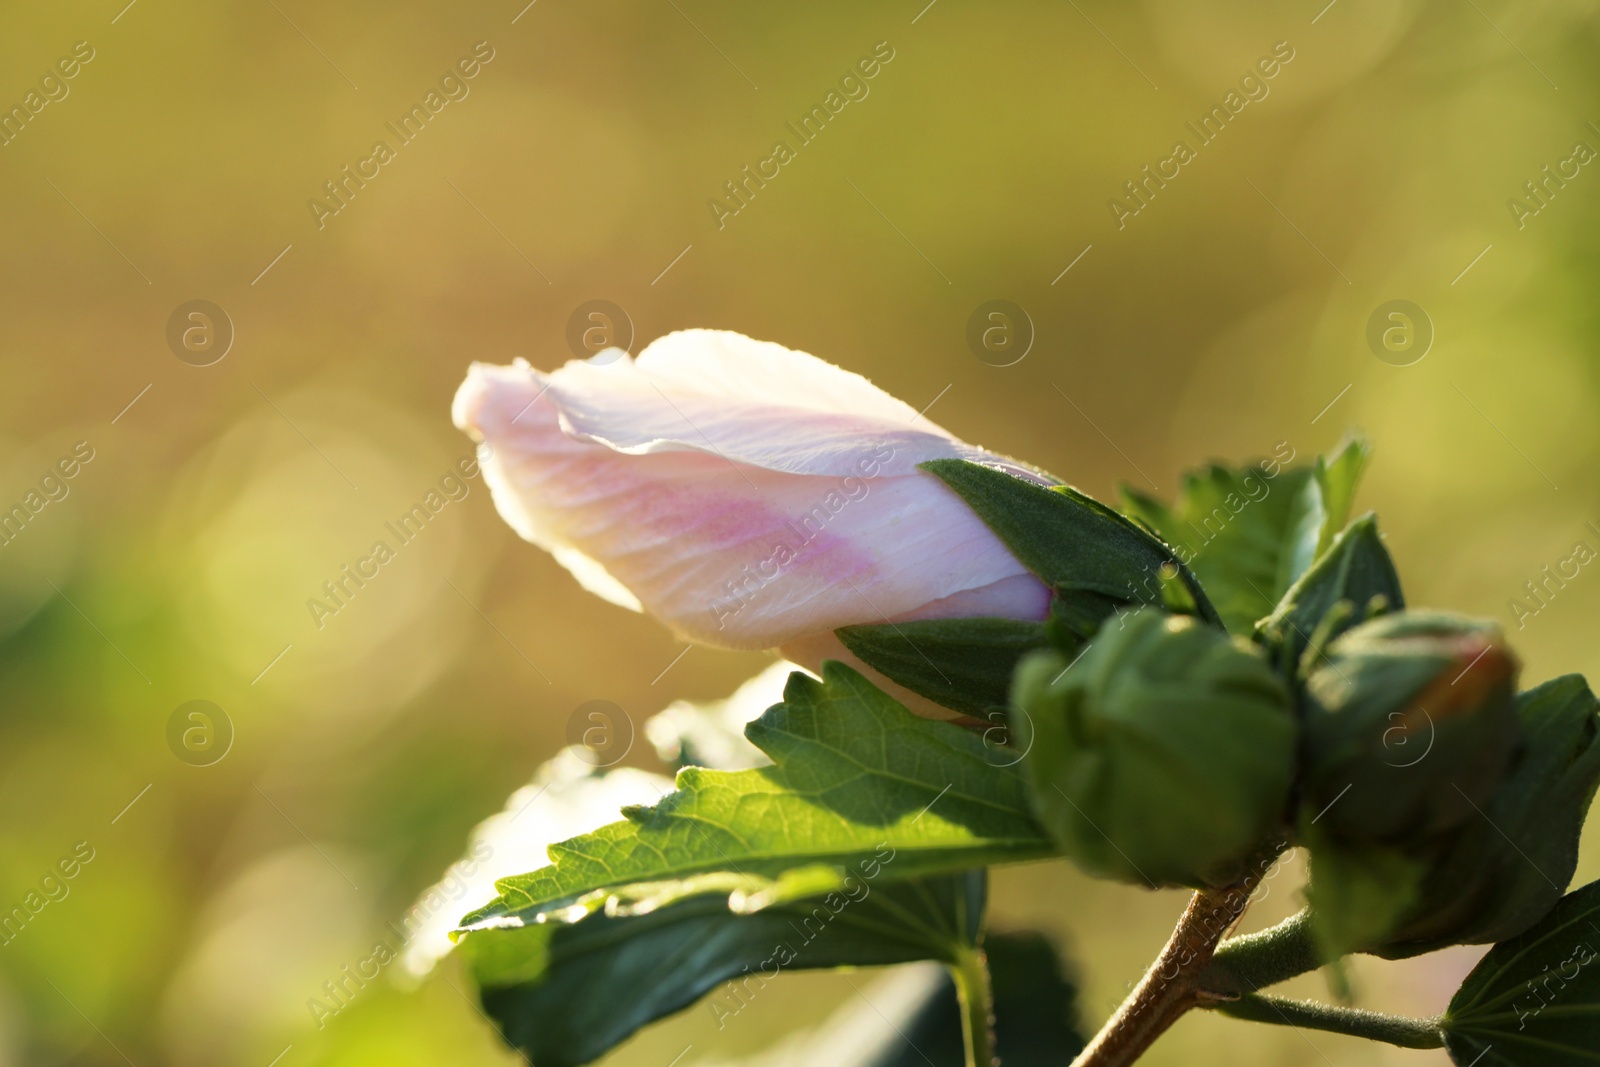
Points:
[[745, 494], [747, 401]]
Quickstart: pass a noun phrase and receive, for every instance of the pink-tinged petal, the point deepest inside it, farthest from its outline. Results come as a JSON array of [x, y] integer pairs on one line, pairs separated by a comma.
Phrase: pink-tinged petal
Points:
[[747, 401], [728, 552], [1021, 596]]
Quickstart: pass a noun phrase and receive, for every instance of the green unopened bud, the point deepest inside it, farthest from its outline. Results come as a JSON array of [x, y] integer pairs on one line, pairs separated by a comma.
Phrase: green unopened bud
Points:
[[1163, 755], [1495, 876], [1410, 723]]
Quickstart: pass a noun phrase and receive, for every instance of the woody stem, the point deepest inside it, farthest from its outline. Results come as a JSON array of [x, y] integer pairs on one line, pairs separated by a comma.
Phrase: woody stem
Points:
[[1172, 984]]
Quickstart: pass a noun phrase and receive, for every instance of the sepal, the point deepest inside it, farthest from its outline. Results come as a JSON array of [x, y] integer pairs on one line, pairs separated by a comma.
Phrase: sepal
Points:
[[1072, 542], [1353, 581]]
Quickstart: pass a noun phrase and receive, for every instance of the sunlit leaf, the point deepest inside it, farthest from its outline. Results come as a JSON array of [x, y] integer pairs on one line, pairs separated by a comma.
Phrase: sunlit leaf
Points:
[[856, 777], [568, 795]]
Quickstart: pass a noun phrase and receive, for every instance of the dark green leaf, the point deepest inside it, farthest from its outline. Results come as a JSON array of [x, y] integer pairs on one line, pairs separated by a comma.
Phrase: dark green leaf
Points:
[[565, 994], [1075, 617], [1071, 541], [854, 773], [1534, 1001], [964, 664], [1353, 580]]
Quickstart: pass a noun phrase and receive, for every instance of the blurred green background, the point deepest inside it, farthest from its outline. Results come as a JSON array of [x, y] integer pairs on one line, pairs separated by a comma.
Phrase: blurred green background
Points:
[[1228, 316]]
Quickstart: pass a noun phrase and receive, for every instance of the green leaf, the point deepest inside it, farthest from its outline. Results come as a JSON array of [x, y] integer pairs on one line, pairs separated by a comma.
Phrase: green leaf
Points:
[[964, 664], [1351, 581], [1035, 1001], [567, 795], [1070, 541], [1337, 477], [1236, 529], [1503, 872], [1249, 533], [1534, 1001], [566, 993], [854, 773]]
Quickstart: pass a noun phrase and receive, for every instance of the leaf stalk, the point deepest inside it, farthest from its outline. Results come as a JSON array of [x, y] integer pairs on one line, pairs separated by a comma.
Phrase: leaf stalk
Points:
[[1354, 1022], [971, 973]]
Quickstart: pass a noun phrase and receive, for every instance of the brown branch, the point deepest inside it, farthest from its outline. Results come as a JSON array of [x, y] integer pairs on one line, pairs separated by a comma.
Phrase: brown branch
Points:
[[1171, 986]]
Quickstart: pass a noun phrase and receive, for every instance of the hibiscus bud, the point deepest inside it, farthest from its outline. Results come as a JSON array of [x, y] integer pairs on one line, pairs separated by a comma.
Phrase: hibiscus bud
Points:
[[1496, 875], [747, 495], [1163, 755], [1410, 722]]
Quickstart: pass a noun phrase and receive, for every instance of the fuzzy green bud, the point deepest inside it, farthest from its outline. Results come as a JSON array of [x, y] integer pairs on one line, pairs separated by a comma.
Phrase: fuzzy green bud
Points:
[[1163, 755], [1493, 877], [1410, 725]]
